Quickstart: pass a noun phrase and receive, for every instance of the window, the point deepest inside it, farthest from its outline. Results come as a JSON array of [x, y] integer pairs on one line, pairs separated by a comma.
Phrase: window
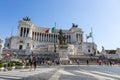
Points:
[[27, 44], [88, 50], [20, 47], [21, 41]]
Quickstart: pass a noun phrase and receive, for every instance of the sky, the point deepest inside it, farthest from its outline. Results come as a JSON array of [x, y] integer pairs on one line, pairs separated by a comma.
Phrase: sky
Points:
[[102, 15]]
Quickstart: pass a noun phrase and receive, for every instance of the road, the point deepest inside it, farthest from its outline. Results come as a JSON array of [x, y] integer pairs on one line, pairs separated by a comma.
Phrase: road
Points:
[[64, 72]]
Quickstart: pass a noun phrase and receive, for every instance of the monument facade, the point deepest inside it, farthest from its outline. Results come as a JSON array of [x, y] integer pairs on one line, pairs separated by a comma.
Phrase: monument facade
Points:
[[37, 40]]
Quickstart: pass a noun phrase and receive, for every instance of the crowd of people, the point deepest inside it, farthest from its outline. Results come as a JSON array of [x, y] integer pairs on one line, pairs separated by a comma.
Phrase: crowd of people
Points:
[[107, 62], [35, 61]]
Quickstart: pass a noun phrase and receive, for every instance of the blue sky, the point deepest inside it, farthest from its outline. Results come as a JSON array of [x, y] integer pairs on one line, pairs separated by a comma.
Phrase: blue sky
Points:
[[102, 15]]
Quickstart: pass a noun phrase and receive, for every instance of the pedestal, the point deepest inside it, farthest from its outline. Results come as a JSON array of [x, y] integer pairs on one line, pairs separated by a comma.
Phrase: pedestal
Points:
[[63, 54]]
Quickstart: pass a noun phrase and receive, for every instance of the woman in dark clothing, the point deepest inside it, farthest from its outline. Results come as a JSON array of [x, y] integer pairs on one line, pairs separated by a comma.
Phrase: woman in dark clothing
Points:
[[30, 61], [87, 62], [35, 62]]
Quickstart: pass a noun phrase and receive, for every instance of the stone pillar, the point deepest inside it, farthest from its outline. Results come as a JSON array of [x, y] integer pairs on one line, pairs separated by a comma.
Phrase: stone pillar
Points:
[[49, 38], [24, 33], [52, 38], [43, 37], [78, 37], [35, 35], [19, 30], [32, 35], [40, 37]]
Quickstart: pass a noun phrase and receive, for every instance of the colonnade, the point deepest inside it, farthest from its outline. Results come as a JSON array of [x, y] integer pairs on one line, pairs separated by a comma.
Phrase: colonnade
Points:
[[47, 37], [24, 32], [79, 37]]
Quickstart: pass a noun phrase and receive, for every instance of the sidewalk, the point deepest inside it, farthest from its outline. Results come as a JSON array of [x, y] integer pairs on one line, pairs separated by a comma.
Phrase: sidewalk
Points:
[[22, 73]]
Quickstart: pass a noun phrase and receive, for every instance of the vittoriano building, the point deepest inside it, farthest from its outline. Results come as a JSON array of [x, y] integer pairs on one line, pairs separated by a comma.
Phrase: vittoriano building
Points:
[[37, 40]]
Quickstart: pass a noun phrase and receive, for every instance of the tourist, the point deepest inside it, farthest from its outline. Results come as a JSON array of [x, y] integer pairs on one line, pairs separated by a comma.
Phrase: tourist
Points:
[[78, 61], [35, 62], [100, 62], [87, 62], [30, 62]]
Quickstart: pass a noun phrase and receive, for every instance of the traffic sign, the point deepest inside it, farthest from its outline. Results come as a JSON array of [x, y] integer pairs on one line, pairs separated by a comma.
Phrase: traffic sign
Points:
[[7, 54]]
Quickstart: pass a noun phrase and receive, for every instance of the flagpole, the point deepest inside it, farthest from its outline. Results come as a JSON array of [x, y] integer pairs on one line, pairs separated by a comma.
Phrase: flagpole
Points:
[[55, 24], [54, 40], [92, 39], [86, 37], [92, 35]]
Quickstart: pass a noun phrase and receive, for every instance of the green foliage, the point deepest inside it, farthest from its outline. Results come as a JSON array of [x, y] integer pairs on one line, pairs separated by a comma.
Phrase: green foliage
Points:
[[11, 64], [1, 64], [27, 64], [19, 64], [112, 52]]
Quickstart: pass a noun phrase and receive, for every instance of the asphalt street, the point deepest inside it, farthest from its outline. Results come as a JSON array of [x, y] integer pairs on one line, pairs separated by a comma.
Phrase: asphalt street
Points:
[[64, 72]]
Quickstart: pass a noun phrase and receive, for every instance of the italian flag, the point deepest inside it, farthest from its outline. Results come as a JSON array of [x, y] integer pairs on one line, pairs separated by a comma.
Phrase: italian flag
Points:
[[53, 30], [47, 31], [89, 36]]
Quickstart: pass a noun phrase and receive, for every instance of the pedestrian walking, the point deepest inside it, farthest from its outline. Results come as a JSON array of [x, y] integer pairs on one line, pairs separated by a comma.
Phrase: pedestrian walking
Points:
[[87, 62], [78, 61], [31, 63], [35, 62]]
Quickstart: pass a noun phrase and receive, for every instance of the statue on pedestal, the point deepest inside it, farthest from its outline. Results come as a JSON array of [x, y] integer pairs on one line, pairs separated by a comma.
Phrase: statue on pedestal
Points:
[[62, 38], [103, 50], [63, 52]]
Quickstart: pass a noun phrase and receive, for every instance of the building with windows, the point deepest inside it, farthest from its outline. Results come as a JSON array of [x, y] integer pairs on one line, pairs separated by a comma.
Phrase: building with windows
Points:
[[37, 40]]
